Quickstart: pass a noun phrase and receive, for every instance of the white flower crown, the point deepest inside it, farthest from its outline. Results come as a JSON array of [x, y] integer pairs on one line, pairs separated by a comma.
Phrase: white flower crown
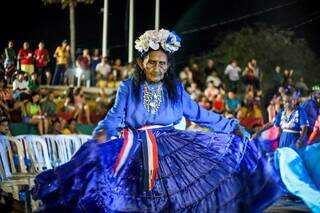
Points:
[[169, 41]]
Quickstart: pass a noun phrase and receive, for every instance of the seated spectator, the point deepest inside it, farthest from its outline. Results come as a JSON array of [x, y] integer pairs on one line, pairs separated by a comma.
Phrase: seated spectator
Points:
[[101, 82], [70, 110], [211, 92], [20, 87], [48, 106], [32, 114], [250, 114], [186, 77], [204, 102], [194, 91], [33, 83], [72, 128], [112, 82], [4, 126], [6, 100], [232, 103], [56, 127], [218, 104], [80, 103], [103, 103], [213, 78]]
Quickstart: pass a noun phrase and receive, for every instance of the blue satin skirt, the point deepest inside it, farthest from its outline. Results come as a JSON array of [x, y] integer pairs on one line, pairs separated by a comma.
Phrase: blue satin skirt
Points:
[[198, 172]]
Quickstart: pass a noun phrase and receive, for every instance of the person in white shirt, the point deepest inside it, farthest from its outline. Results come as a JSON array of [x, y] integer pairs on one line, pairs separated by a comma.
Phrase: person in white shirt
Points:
[[20, 87], [232, 70], [104, 67]]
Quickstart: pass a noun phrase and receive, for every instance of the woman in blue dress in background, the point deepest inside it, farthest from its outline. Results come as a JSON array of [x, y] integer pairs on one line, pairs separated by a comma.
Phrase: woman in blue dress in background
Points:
[[297, 164], [154, 167], [292, 122]]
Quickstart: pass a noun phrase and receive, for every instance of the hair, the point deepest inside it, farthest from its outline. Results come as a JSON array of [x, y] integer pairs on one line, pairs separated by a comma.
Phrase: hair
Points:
[[169, 79], [3, 119], [33, 94]]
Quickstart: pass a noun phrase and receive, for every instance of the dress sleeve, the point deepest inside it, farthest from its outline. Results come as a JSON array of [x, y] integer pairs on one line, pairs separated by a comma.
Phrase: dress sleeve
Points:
[[195, 113], [115, 115], [303, 119]]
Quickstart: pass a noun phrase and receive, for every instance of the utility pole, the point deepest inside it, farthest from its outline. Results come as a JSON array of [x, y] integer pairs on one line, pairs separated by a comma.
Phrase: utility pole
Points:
[[105, 29]]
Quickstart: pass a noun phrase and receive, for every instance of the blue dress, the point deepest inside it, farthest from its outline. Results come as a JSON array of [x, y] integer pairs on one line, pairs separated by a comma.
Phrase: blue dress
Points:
[[290, 127], [312, 110], [215, 171]]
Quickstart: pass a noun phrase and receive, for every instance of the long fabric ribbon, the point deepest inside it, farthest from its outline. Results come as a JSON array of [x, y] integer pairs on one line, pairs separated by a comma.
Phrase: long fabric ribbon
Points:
[[149, 154]]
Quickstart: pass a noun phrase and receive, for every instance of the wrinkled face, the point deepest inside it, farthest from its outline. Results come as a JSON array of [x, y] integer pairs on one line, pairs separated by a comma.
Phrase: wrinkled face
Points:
[[155, 65]]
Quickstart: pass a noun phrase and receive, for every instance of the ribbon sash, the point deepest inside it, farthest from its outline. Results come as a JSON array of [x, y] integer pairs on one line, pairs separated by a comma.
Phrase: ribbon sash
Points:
[[149, 154]]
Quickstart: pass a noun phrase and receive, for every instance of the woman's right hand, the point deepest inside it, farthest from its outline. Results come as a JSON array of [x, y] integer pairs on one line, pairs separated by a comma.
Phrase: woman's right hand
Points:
[[100, 136]]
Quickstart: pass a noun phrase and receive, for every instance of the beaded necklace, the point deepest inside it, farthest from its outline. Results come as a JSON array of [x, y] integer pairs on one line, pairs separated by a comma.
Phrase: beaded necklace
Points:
[[152, 97]]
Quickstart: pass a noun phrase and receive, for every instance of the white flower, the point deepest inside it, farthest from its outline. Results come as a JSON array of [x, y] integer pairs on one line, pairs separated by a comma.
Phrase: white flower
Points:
[[169, 41]]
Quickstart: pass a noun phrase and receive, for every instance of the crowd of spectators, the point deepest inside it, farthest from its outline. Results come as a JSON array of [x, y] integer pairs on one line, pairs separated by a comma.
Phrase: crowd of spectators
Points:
[[235, 91]]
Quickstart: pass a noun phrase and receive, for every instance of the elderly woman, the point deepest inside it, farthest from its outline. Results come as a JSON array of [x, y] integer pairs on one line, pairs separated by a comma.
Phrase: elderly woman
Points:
[[154, 167]]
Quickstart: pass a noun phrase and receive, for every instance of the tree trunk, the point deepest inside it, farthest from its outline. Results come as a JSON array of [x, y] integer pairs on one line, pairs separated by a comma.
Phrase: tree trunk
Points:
[[72, 31]]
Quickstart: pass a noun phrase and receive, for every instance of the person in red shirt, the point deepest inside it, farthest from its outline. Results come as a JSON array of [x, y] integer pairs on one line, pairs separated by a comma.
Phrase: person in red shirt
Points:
[[41, 56], [26, 60]]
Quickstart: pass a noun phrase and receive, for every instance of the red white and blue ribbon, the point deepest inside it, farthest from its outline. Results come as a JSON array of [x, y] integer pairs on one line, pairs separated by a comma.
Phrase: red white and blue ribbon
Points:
[[128, 138], [149, 154], [150, 158]]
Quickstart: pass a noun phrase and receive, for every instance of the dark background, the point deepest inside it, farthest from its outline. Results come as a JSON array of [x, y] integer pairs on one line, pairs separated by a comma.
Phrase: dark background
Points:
[[33, 21]]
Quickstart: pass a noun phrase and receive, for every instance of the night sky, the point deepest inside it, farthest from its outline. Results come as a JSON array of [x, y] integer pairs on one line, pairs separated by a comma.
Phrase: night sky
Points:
[[35, 21]]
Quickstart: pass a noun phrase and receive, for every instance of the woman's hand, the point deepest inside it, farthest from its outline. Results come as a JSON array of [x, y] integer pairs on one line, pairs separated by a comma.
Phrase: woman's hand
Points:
[[299, 143], [100, 136]]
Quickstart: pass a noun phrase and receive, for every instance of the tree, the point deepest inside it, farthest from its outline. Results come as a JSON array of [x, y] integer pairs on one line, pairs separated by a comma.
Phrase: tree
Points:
[[271, 47], [72, 4]]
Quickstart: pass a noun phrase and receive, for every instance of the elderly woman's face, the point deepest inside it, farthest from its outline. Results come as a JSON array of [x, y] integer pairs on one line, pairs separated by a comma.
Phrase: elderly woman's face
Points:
[[155, 65]]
